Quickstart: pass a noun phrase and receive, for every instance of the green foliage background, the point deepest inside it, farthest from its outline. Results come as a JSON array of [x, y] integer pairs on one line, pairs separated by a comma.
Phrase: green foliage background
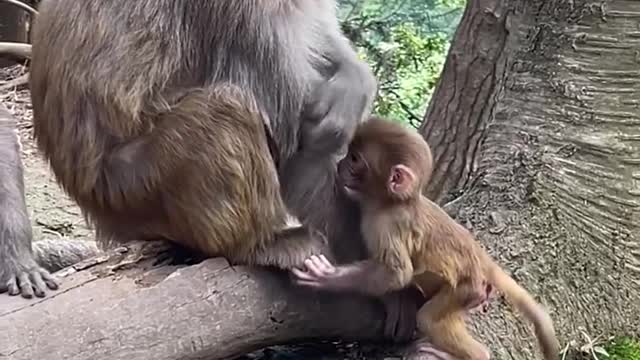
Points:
[[623, 348], [406, 43]]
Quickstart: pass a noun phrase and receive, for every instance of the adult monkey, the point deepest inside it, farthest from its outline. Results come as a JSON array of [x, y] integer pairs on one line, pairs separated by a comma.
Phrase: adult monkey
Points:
[[155, 117]]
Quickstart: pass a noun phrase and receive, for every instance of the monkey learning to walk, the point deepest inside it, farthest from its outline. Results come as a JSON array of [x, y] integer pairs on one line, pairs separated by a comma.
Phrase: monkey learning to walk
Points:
[[410, 239]]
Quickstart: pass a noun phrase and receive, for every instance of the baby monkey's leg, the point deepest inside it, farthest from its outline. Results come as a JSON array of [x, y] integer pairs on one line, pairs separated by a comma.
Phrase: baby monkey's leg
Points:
[[445, 335], [478, 301]]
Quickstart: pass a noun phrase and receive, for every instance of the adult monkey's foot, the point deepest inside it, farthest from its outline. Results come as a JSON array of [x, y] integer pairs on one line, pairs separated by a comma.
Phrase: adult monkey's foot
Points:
[[21, 275]]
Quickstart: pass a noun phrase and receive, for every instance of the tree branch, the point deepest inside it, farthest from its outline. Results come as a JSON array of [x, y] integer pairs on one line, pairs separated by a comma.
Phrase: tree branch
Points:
[[15, 50], [120, 306], [22, 5]]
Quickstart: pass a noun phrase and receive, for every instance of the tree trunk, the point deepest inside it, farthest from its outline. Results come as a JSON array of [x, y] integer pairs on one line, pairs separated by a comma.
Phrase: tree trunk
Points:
[[120, 306], [535, 122], [13, 27]]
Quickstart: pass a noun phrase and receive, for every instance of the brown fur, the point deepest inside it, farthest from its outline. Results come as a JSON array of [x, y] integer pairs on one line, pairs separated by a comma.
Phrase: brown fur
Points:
[[412, 240], [163, 133]]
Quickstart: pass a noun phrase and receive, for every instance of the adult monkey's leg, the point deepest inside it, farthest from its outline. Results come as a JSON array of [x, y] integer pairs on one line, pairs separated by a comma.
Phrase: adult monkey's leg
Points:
[[19, 271]]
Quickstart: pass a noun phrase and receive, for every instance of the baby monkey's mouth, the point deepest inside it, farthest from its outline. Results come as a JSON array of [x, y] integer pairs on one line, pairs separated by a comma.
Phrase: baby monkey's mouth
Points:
[[351, 192], [347, 179], [349, 188]]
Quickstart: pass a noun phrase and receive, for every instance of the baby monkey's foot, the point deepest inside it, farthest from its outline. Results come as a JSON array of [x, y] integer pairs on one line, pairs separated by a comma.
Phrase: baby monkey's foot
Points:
[[424, 350], [481, 304], [401, 308]]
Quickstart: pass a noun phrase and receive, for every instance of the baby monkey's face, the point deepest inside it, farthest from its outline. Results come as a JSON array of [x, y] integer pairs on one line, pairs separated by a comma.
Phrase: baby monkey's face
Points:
[[385, 164], [361, 174]]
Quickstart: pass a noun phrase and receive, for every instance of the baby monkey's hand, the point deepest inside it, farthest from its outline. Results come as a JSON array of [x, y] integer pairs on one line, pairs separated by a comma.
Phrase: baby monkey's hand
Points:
[[319, 273]]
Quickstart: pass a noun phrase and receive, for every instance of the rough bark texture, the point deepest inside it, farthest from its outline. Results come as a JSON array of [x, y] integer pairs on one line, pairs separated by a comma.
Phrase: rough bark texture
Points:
[[13, 27], [457, 116], [121, 307], [536, 121]]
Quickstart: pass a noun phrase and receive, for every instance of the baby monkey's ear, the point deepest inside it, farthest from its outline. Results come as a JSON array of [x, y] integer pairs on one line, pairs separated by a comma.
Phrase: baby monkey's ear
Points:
[[402, 181]]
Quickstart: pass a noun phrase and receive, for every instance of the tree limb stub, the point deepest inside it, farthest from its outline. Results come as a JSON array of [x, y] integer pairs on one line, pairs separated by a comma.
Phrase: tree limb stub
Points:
[[23, 6], [16, 50], [121, 306]]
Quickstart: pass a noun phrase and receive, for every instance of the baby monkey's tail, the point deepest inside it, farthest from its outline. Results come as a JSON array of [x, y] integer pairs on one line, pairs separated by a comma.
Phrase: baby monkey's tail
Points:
[[534, 312]]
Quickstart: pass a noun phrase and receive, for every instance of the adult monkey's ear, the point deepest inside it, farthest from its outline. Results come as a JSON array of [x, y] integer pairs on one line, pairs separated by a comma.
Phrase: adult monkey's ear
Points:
[[402, 181]]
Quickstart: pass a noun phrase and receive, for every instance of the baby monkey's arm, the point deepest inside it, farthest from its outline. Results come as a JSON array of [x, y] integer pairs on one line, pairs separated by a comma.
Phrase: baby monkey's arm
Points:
[[369, 277]]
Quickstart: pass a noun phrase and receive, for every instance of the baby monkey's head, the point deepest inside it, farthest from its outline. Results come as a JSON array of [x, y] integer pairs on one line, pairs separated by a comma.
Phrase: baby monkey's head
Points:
[[386, 163]]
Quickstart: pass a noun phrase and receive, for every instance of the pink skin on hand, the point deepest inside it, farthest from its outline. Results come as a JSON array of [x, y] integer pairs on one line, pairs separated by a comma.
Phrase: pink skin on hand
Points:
[[318, 274]]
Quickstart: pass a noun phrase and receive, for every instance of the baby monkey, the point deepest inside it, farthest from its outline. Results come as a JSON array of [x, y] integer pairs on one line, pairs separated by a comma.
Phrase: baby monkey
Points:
[[412, 240]]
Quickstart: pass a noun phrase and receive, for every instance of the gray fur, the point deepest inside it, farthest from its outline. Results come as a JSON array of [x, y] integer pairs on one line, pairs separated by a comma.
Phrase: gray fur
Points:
[[19, 272]]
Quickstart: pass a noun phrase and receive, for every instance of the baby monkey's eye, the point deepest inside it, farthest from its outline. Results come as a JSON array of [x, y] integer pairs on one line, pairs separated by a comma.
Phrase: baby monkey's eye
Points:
[[353, 157]]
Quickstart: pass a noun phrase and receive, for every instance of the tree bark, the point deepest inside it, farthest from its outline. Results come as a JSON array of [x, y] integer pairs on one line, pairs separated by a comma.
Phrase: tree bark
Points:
[[15, 50], [534, 128], [13, 28], [120, 306]]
